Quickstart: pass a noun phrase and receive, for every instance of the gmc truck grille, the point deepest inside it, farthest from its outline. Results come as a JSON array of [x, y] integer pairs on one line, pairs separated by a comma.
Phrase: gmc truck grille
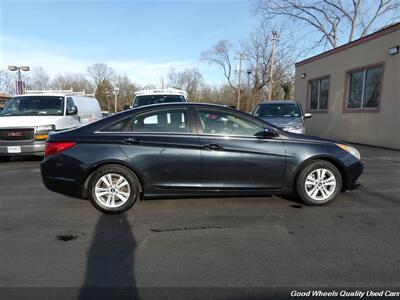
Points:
[[16, 134]]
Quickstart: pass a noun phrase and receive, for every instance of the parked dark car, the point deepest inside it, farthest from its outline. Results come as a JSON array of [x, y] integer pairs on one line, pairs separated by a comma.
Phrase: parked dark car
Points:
[[188, 150], [285, 114]]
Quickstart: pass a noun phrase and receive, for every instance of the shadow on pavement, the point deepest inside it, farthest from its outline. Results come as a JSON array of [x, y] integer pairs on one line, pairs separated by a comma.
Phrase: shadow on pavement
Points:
[[110, 263], [21, 158]]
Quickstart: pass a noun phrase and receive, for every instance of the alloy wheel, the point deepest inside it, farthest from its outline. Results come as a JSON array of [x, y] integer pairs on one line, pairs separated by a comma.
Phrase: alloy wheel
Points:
[[112, 190], [320, 184]]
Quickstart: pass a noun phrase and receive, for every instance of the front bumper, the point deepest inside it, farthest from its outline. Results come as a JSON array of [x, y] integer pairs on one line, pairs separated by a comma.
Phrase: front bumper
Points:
[[27, 148], [353, 173]]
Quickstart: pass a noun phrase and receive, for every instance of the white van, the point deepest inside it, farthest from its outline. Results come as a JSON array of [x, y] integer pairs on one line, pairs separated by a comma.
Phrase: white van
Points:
[[155, 96], [26, 120]]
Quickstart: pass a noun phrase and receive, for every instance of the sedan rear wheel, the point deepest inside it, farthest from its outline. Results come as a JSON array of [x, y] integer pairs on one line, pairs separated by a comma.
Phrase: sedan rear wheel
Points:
[[114, 189], [319, 183]]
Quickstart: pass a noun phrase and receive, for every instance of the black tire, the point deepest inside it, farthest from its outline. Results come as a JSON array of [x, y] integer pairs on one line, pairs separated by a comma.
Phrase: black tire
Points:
[[5, 158], [131, 178], [310, 168]]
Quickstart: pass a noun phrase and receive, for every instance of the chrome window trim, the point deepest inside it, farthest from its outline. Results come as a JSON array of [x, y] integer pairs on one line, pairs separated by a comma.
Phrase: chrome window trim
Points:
[[179, 133]]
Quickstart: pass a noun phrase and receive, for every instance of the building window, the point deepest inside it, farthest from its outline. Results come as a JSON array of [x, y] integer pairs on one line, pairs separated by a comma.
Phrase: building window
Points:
[[319, 91], [364, 87]]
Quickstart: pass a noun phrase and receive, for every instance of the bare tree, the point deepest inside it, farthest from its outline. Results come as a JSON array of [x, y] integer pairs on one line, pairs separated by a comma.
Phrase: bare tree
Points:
[[220, 55], [100, 72], [76, 81], [218, 94], [6, 83], [126, 90], [189, 80], [39, 79], [336, 21]]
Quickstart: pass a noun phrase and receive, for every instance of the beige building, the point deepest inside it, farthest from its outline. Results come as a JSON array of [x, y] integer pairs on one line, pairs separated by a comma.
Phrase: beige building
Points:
[[353, 91], [3, 99]]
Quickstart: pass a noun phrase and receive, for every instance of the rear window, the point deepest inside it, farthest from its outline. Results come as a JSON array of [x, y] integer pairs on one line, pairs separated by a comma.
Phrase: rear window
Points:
[[155, 99], [278, 110]]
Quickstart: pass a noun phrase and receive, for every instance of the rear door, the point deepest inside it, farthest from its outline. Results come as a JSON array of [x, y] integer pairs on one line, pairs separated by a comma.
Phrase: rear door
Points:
[[162, 145], [233, 157]]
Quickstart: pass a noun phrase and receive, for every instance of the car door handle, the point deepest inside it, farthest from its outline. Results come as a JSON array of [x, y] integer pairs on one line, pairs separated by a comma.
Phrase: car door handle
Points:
[[132, 141], [213, 147]]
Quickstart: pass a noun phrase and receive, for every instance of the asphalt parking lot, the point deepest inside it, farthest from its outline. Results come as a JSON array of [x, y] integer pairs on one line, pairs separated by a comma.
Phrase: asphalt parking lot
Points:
[[50, 240]]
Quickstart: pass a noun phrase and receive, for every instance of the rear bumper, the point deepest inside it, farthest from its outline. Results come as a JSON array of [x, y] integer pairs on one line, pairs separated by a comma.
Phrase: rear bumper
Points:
[[27, 148], [59, 182]]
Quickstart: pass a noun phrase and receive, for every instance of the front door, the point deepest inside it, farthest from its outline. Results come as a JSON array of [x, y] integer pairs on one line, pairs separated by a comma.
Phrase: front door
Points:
[[233, 157]]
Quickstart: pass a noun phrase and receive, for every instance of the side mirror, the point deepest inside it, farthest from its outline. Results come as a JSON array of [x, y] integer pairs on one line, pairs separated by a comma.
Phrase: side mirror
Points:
[[127, 106], [267, 134], [73, 110], [307, 116]]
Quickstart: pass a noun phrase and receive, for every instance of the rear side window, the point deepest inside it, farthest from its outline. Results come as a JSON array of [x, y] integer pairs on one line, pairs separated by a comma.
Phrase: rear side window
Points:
[[173, 121]]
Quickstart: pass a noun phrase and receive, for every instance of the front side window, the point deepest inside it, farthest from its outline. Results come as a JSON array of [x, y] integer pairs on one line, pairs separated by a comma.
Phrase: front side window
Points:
[[319, 91], [364, 88], [34, 106], [219, 122], [173, 121]]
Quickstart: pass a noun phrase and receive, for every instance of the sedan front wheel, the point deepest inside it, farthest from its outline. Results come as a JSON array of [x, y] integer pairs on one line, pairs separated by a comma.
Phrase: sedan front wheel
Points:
[[319, 183]]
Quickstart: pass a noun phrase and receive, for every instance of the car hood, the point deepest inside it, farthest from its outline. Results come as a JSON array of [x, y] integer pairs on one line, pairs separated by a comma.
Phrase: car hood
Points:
[[27, 121], [283, 121], [309, 138]]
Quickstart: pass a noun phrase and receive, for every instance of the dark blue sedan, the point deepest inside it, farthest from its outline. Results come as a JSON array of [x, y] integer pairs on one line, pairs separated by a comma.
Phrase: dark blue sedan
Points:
[[189, 150]]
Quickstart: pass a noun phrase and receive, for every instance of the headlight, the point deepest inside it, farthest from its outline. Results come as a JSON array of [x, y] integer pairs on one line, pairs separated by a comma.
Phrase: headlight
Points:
[[351, 150], [291, 128], [45, 128], [42, 132]]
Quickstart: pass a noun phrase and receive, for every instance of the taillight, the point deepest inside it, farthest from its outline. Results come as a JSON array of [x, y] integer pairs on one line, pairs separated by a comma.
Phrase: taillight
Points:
[[57, 147]]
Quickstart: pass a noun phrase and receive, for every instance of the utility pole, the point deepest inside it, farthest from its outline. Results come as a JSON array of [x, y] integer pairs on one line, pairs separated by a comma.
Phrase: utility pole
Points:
[[271, 80], [116, 90], [249, 71], [241, 57]]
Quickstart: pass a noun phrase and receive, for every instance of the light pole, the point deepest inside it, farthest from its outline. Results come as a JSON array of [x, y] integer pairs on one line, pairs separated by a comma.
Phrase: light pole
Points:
[[19, 85], [115, 91], [274, 39]]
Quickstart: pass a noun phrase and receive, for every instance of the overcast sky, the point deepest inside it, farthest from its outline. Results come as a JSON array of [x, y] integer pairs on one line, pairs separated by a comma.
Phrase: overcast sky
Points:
[[143, 39]]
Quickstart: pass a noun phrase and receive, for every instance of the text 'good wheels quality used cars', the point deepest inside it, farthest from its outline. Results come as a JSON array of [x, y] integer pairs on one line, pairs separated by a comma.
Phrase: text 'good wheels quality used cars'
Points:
[[190, 149]]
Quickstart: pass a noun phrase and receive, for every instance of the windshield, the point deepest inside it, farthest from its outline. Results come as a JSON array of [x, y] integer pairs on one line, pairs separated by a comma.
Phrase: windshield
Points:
[[154, 99], [289, 110], [34, 106]]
